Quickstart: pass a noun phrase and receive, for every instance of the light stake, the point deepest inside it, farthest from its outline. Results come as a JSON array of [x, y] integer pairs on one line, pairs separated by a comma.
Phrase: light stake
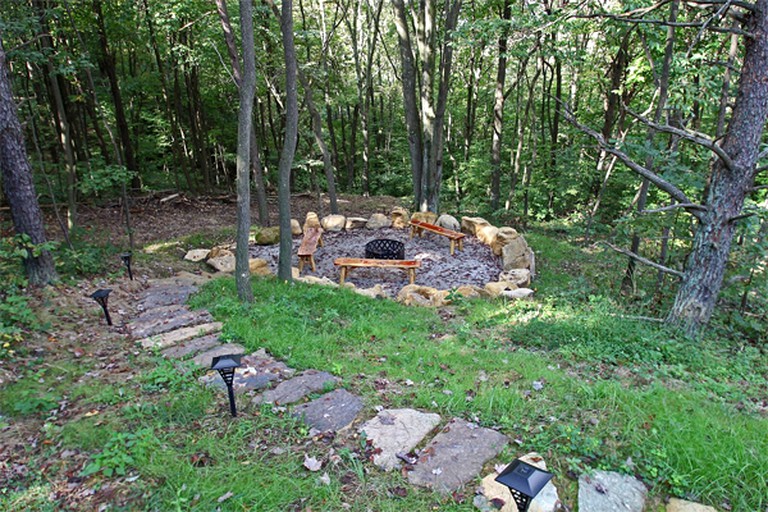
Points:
[[226, 365], [524, 481], [126, 257], [101, 296]]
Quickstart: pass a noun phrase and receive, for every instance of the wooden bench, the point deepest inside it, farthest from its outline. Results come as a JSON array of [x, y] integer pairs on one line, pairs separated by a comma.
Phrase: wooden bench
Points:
[[347, 263], [418, 226], [312, 238]]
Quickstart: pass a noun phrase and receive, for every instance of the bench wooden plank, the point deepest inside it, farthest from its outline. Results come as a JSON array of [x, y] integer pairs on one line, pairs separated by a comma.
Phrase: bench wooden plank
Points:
[[313, 237], [455, 237], [345, 264]]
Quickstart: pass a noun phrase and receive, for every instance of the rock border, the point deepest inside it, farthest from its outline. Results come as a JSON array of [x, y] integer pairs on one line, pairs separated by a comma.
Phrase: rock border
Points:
[[518, 259]]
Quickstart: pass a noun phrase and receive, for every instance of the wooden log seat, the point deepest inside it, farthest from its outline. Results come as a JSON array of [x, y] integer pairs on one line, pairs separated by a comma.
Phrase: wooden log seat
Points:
[[313, 237], [347, 263], [418, 226]]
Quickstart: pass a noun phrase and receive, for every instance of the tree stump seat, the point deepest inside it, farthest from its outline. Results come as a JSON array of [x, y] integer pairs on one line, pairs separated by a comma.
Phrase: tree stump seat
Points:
[[313, 237]]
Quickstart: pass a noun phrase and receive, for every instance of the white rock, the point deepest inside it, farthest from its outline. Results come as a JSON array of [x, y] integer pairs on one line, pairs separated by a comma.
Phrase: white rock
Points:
[[448, 222], [197, 254], [333, 222], [394, 431], [520, 293]]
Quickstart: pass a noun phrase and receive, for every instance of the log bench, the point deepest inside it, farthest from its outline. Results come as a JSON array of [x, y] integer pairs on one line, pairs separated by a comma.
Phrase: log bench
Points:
[[347, 263], [418, 226], [312, 238]]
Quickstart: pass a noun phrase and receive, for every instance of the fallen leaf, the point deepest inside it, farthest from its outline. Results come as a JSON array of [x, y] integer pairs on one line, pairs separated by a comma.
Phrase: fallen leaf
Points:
[[312, 463], [324, 479], [225, 497]]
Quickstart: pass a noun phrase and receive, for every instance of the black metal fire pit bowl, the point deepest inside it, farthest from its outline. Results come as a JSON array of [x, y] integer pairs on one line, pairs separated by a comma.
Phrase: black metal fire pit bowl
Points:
[[385, 249]]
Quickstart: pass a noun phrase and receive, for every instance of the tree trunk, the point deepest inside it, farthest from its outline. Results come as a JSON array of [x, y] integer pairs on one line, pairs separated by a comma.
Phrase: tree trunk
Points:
[[498, 109], [289, 144], [18, 185], [697, 296]]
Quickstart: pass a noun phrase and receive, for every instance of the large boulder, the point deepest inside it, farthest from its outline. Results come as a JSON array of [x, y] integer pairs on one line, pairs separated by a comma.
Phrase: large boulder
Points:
[[259, 267], [495, 289], [503, 237], [355, 223], [417, 295], [448, 222], [296, 228], [469, 291], [428, 217], [520, 276], [399, 217], [197, 254], [266, 236], [374, 292], [325, 281], [516, 254], [487, 234], [333, 222], [311, 221], [378, 221], [223, 262], [469, 225], [220, 250]]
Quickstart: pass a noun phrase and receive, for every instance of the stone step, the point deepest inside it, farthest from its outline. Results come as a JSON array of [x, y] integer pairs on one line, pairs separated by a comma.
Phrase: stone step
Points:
[[397, 431], [332, 412], [258, 371], [455, 456], [180, 318], [293, 390], [183, 279], [185, 333], [607, 491], [159, 312], [191, 347], [164, 296]]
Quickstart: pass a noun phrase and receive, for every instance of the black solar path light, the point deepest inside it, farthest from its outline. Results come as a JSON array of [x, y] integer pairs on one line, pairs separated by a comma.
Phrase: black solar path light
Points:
[[524, 481], [126, 257], [101, 296], [226, 365]]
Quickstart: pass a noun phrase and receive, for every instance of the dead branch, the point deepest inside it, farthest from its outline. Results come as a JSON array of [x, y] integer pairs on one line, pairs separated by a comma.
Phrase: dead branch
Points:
[[645, 261], [697, 138], [688, 206]]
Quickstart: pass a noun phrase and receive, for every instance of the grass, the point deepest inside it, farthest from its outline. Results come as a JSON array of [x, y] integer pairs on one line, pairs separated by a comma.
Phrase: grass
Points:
[[568, 374]]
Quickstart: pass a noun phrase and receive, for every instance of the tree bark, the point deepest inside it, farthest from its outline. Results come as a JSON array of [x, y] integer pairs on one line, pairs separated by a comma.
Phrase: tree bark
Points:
[[498, 109], [18, 185], [697, 296]]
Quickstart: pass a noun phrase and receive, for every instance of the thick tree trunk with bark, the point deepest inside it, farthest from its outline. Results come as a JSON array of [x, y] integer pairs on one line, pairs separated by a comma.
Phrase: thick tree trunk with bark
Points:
[[18, 184], [730, 183], [498, 110]]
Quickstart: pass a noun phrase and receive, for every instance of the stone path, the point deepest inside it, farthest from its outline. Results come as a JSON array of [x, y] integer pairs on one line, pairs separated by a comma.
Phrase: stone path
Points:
[[453, 457]]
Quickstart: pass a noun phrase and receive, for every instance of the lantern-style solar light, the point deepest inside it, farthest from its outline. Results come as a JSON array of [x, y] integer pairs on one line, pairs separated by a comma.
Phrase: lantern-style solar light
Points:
[[102, 296], [226, 365], [524, 481], [126, 257]]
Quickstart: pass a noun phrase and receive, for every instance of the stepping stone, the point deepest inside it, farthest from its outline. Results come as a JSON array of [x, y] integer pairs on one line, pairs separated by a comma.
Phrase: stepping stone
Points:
[[677, 505], [455, 456], [165, 296], [159, 312], [394, 431], [293, 390], [192, 346], [206, 358], [258, 370], [546, 501], [180, 318], [185, 333], [333, 411], [606, 491], [184, 279]]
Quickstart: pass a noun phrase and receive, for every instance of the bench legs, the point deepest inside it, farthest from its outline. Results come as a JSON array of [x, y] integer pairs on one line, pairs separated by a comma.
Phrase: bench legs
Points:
[[307, 259], [342, 275], [454, 243], [411, 275]]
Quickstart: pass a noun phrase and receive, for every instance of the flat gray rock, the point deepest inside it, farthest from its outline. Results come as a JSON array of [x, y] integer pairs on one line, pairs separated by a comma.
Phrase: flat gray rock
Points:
[[165, 296], [394, 431], [179, 335], [293, 390], [193, 346], [455, 456], [206, 357], [606, 491], [159, 312], [169, 322], [184, 278], [258, 371], [333, 411]]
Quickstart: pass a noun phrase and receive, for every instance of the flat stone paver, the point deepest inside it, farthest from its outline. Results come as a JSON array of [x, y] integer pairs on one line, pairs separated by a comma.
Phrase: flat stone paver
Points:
[[184, 278], [677, 505], [176, 320], [455, 456], [333, 411], [193, 346], [293, 390], [394, 431], [547, 500], [165, 296], [606, 491], [258, 371], [185, 333], [158, 312], [206, 358]]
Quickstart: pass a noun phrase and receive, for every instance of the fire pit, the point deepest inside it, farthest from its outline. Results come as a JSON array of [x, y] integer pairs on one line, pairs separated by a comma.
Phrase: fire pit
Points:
[[385, 249]]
